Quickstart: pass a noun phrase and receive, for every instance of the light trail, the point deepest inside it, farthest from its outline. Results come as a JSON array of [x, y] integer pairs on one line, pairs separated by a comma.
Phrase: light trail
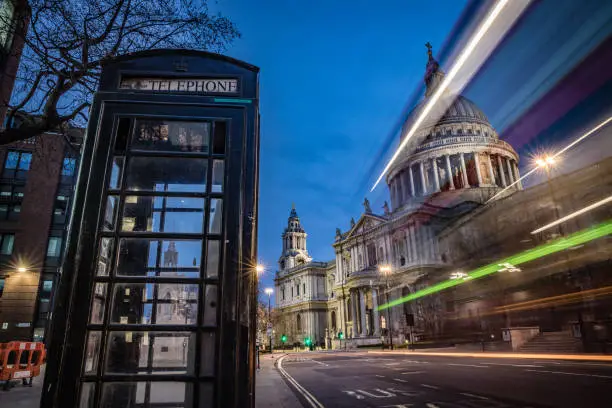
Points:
[[465, 54], [558, 245], [566, 148], [573, 215]]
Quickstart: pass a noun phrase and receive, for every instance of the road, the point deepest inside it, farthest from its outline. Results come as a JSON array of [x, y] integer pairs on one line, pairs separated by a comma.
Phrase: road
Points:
[[370, 380]]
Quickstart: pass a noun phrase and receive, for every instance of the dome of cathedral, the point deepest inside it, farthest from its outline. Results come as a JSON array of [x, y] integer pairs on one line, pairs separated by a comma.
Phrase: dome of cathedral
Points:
[[454, 148]]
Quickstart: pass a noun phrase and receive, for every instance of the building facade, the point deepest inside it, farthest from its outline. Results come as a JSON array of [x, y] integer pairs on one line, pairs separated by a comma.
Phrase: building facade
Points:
[[36, 189], [302, 289], [456, 202]]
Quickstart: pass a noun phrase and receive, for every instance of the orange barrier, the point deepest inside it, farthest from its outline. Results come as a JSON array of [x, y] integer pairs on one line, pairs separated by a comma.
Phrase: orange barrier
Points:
[[20, 360]]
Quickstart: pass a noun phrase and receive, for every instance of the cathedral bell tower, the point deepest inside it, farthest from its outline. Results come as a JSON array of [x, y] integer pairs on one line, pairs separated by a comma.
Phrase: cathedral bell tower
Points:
[[294, 244]]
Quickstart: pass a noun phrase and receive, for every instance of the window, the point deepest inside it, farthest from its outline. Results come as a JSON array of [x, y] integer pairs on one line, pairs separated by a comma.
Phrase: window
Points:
[[297, 289], [17, 164], [6, 244], [304, 288], [1, 287], [283, 293], [54, 248], [68, 166]]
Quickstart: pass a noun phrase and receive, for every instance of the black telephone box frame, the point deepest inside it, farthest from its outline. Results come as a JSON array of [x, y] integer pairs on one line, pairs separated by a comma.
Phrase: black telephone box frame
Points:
[[80, 372]]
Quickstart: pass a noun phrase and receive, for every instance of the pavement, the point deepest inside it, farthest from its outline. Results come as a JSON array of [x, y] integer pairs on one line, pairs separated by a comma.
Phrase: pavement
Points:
[[405, 380], [23, 397], [271, 390]]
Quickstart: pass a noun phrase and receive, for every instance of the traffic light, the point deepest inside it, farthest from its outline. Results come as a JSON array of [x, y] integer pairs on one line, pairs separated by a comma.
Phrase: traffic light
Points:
[[307, 341], [340, 335], [284, 338]]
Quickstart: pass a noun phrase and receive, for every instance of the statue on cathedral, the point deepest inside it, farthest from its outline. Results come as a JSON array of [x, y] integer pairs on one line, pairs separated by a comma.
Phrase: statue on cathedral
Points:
[[352, 222], [338, 233], [386, 208], [366, 205]]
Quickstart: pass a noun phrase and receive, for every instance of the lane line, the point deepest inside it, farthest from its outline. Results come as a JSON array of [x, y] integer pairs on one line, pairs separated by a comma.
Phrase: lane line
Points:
[[314, 403], [466, 365], [566, 373], [515, 365], [433, 387], [400, 380], [392, 364], [380, 376], [467, 394], [318, 362], [413, 372]]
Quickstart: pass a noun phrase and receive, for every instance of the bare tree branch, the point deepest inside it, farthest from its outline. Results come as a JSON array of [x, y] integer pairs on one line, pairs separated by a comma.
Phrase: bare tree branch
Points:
[[69, 39]]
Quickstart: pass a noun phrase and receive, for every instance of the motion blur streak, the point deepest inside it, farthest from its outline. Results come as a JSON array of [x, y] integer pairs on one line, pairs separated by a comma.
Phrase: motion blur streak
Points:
[[566, 148], [507, 17], [558, 300], [574, 214], [560, 244]]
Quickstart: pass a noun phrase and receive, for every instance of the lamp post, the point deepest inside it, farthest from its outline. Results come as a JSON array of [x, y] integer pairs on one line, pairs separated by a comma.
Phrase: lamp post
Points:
[[269, 292], [547, 163], [259, 270], [343, 309], [386, 270]]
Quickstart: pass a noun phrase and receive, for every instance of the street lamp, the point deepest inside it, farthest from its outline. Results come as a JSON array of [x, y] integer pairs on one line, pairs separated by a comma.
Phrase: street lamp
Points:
[[547, 162], [386, 270], [259, 269], [269, 292]]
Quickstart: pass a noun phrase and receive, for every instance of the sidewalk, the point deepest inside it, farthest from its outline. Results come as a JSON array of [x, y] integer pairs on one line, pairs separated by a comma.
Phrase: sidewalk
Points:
[[509, 354], [271, 390], [23, 397]]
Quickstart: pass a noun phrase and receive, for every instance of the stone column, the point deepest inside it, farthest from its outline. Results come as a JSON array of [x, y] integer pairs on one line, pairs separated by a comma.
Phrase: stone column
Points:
[[477, 164], [375, 312], [413, 243], [409, 253], [517, 175], [449, 172], [501, 171], [490, 166], [362, 309], [466, 182], [422, 170], [405, 194], [411, 181], [510, 172], [354, 313], [434, 163]]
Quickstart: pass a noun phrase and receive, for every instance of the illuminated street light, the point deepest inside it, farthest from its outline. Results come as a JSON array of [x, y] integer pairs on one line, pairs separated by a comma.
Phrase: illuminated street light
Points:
[[269, 291], [259, 269], [459, 275], [22, 269], [384, 269], [545, 161]]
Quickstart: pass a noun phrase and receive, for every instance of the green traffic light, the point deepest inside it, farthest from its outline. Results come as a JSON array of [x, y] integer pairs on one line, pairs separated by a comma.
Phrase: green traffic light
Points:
[[307, 341], [283, 338], [340, 335]]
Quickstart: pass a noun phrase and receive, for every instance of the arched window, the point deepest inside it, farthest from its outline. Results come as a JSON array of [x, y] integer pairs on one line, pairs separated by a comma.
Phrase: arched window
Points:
[[297, 289], [333, 320], [304, 288], [299, 322]]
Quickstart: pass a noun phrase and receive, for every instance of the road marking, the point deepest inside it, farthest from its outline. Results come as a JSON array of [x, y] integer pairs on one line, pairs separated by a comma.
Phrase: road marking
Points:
[[466, 365], [430, 405], [474, 396], [318, 362], [392, 364], [354, 394], [314, 403], [381, 376], [413, 372], [515, 365], [400, 380], [566, 373], [433, 387]]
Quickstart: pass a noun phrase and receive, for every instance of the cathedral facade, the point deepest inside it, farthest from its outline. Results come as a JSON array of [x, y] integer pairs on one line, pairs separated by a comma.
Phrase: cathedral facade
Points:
[[459, 164], [456, 202]]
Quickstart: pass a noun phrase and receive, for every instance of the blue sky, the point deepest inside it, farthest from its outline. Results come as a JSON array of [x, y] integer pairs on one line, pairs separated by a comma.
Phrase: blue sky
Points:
[[335, 77]]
